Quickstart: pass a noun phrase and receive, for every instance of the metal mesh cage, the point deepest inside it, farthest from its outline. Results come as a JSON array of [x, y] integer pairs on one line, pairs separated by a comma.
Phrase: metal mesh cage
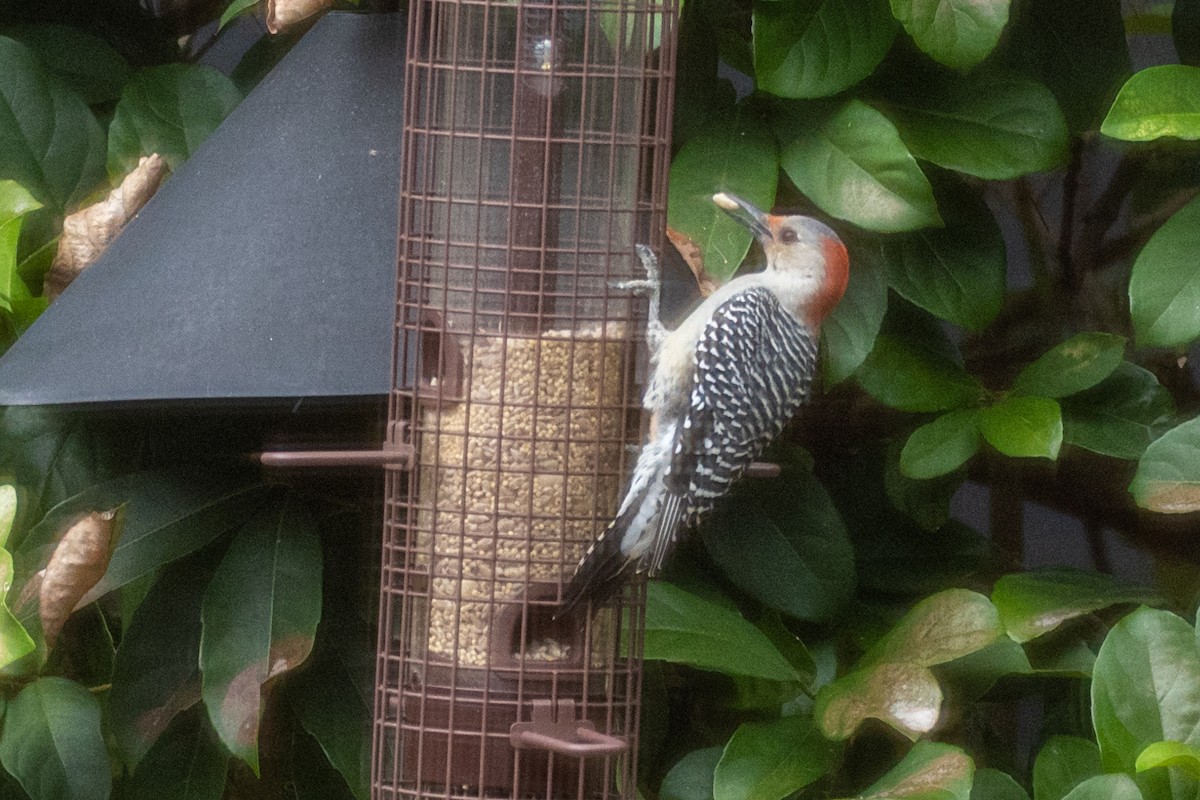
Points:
[[535, 157]]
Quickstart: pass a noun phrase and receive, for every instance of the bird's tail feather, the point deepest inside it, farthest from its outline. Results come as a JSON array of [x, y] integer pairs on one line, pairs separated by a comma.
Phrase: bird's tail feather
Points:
[[603, 570]]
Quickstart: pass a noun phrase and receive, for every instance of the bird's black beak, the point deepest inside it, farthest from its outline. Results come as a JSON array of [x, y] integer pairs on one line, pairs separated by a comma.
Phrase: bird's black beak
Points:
[[744, 213]]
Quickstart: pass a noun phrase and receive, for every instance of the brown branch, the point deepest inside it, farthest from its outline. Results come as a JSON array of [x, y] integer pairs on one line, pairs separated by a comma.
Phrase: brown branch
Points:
[[1120, 248], [1066, 260]]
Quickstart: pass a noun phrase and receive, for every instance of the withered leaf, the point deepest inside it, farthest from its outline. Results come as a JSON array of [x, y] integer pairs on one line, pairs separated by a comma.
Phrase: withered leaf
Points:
[[78, 563], [693, 256], [88, 232], [283, 14]]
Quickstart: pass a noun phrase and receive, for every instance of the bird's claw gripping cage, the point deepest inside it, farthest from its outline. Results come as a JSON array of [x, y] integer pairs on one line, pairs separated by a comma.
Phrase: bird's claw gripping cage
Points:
[[535, 156]]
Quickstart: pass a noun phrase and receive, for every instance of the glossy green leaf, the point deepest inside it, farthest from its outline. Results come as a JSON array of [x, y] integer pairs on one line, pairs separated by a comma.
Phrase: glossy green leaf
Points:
[[941, 446], [1106, 787], [958, 33], [956, 273], [1034, 603], [15, 641], [819, 47], [1170, 754], [992, 784], [849, 160], [1079, 363], [945, 626], [686, 629], [1023, 427], [15, 203], [906, 696], [1185, 31], [903, 376], [86, 63], [930, 771], [52, 742], [1146, 689], [8, 513], [1063, 763], [783, 542], [735, 156], [156, 673], [49, 141], [1077, 49], [235, 9], [259, 617], [1156, 102], [848, 334], [1121, 416], [169, 110], [335, 699], [692, 776], [168, 514], [771, 760], [1168, 475], [1164, 288], [186, 763], [992, 126]]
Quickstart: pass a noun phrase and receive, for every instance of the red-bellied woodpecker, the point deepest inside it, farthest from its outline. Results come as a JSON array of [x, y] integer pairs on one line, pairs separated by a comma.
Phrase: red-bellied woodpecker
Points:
[[725, 384]]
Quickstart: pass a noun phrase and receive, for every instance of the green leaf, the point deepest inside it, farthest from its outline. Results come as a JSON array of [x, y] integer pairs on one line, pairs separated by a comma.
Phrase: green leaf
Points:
[[994, 126], [1121, 416], [736, 156], [992, 784], [906, 696], [958, 33], [8, 513], [848, 334], [186, 763], [1077, 48], [903, 376], [259, 617], [1063, 763], [941, 446], [686, 629], [956, 273], [1168, 475], [167, 516], [940, 628], [1032, 604], [819, 48], [86, 63], [1106, 787], [335, 699], [52, 742], [49, 141], [974, 674], [169, 110], [1156, 102], [930, 771], [849, 160], [1170, 754], [1079, 363], [771, 760], [156, 673], [15, 642], [1146, 689], [235, 9], [783, 542], [1164, 288], [692, 776], [1023, 427], [15, 203]]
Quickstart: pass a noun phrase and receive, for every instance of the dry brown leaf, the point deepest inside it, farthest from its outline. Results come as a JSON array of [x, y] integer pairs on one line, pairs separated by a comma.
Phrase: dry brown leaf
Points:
[[694, 257], [88, 232], [283, 14], [78, 563]]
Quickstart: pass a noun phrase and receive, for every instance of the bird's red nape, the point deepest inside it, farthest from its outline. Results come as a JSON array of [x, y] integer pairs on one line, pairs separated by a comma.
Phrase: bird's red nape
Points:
[[837, 276]]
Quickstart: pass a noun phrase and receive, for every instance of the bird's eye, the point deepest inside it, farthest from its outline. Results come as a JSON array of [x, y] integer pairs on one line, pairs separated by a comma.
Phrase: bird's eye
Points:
[[788, 236]]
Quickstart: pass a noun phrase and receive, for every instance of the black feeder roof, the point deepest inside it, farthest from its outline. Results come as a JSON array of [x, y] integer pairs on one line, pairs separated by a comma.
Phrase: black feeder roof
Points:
[[265, 267]]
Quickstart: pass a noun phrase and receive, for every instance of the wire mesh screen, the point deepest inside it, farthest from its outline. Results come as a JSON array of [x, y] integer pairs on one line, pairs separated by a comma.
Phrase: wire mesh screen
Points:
[[535, 157]]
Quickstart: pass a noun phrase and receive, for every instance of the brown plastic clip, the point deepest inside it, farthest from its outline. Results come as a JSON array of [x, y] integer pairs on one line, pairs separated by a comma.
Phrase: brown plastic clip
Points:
[[563, 733]]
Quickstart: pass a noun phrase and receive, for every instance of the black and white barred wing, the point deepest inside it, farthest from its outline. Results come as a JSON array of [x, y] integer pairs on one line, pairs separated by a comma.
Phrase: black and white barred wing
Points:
[[754, 369]]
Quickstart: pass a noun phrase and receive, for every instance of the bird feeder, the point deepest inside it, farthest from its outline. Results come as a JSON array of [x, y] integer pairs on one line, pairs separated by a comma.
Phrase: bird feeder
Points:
[[535, 157]]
